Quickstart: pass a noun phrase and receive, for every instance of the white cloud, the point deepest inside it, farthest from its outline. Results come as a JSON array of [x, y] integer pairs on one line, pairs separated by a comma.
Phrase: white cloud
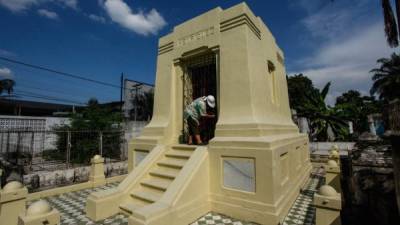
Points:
[[70, 3], [6, 73], [347, 62], [17, 6], [140, 22], [348, 50], [330, 19], [97, 18], [48, 14]]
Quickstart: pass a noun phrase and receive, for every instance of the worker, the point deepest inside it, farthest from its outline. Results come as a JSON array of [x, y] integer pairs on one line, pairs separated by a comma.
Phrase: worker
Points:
[[192, 114]]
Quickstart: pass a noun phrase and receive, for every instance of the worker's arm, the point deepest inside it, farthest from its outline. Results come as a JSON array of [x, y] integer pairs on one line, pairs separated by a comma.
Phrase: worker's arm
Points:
[[203, 112], [209, 116]]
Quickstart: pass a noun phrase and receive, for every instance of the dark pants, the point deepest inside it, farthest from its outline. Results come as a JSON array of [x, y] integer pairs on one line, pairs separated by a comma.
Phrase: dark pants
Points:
[[193, 126]]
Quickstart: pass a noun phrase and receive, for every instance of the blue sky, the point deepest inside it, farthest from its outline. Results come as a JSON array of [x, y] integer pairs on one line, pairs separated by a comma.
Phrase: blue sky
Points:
[[327, 40]]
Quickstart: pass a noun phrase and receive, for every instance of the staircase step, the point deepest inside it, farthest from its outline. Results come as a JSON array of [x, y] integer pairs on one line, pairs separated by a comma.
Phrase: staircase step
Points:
[[184, 147], [179, 154], [130, 207], [170, 162], [146, 196], [157, 183], [165, 173]]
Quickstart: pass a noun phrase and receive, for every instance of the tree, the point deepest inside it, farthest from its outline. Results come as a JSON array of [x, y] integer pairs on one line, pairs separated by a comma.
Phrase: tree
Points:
[[7, 85], [322, 117], [149, 96], [85, 128], [386, 78], [143, 105], [352, 106], [299, 87], [390, 23]]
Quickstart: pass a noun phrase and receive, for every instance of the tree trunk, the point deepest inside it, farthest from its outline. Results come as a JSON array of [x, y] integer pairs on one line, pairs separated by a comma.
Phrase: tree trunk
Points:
[[393, 122], [395, 139]]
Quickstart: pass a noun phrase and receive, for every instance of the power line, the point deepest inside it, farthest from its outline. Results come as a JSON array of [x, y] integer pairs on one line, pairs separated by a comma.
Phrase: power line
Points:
[[45, 90], [58, 72], [48, 98], [66, 74], [51, 99], [83, 97]]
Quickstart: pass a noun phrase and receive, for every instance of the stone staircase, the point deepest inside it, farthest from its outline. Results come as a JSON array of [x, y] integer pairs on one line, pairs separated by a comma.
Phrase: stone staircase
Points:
[[160, 176]]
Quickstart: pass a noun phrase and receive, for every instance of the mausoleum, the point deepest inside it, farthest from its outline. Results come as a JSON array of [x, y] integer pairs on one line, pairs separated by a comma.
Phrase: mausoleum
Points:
[[256, 161]]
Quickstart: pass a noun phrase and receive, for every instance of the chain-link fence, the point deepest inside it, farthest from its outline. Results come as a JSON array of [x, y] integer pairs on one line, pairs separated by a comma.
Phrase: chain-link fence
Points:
[[58, 149]]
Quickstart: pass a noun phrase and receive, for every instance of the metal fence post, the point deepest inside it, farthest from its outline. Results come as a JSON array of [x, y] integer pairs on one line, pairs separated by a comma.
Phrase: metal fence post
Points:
[[101, 142], [124, 146], [68, 147], [1, 144], [17, 155], [8, 145], [32, 150]]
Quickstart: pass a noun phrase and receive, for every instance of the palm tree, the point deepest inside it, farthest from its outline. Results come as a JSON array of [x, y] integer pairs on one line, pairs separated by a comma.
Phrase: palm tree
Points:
[[390, 22], [322, 117], [7, 85], [387, 78]]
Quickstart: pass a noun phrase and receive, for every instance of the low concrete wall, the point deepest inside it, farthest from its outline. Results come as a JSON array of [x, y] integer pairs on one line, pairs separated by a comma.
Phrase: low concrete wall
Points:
[[319, 151], [42, 180], [326, 146], [70, 188]]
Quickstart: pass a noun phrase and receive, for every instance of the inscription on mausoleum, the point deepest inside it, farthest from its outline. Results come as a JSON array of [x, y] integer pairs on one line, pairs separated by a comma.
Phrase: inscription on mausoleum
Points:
[[195, 36]]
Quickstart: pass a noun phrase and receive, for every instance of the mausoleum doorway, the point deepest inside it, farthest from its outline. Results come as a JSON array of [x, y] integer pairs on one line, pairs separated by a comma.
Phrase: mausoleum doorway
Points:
[[200, 79]]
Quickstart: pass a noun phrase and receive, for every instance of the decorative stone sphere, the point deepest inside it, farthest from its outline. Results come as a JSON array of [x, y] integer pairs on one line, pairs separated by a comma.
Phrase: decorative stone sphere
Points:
[[332, 163], [327, 190], [334, 154], [96, 157], [38, 208], [335, 147], [13, 185]]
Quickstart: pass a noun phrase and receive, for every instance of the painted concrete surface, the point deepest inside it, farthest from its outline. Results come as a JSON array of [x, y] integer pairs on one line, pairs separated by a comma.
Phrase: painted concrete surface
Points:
[[71, 206]]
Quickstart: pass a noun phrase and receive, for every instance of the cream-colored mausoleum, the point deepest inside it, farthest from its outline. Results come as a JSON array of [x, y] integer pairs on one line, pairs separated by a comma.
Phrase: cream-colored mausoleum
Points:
[[256, 161]]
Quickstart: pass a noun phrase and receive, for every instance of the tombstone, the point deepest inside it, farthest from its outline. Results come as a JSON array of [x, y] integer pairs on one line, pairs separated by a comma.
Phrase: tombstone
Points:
[[256, 160], [304, 125], [371, 124]]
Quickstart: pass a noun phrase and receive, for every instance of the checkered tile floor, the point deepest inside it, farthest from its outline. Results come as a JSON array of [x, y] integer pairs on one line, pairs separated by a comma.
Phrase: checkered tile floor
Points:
[[214, 218], [71, 207], [302, 211]]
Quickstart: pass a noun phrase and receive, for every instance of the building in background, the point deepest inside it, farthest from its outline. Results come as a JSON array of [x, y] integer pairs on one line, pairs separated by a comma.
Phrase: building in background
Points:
[[33, 108], [138, 100]]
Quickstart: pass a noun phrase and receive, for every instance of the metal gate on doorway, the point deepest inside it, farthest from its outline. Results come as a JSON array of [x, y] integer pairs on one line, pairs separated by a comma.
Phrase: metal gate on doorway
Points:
[[200, 79]]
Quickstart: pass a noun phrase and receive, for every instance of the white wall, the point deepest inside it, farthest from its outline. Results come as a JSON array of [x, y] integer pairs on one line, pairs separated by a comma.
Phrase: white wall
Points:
[[38, 125]]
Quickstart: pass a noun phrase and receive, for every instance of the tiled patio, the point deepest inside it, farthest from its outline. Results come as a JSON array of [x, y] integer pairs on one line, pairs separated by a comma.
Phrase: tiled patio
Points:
[[71, 206]]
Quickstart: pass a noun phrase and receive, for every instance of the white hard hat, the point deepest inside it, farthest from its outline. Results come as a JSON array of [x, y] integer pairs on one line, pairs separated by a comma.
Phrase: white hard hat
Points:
[[211, 101]]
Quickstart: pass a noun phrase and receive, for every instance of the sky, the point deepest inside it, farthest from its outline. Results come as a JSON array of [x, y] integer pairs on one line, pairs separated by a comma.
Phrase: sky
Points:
[[326, 40]]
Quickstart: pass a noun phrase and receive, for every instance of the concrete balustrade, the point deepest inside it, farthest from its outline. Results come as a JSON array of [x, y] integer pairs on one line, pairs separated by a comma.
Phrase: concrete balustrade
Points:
[[334, 154], [328, 203], [12, 202], [97, 176], [332, 176], [39, 213], [14, 195], [1, 174]]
